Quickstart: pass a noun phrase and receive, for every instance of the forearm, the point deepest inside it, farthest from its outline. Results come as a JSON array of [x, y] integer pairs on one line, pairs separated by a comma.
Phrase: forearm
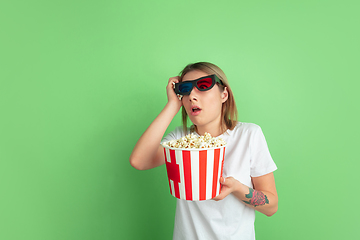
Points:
[[262, 201], [144, 153]]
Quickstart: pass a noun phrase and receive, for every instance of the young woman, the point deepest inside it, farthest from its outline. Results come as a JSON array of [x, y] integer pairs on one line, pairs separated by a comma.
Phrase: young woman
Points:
[[248, 182]]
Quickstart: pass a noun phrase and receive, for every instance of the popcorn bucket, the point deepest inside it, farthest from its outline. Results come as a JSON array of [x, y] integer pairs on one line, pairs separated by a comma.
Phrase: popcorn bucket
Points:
[[194, 173]]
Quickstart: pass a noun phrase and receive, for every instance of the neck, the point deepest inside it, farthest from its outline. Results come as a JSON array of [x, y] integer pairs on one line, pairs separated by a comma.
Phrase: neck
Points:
[[213, 128]]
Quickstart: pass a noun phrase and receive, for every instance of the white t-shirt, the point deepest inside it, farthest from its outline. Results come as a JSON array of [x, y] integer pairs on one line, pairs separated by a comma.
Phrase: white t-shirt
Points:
[[246, 155]]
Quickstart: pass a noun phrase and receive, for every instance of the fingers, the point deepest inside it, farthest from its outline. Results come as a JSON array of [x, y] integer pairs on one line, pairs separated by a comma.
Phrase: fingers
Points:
[[173, 80], [227, 181], [170, 89], [222, 195], [222, 180], [226, 188]]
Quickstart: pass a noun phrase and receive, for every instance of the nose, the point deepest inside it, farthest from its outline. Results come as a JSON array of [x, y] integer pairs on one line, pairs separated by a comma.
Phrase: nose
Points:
[[193, 95]]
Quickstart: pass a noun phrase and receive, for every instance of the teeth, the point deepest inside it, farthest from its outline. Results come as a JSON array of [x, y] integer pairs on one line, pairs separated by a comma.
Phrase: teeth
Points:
[[195, 109]]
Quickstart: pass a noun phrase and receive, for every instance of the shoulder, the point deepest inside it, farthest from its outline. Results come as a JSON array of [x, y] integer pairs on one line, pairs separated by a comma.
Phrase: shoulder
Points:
[[244, 131], [244, 127], [250, 126]]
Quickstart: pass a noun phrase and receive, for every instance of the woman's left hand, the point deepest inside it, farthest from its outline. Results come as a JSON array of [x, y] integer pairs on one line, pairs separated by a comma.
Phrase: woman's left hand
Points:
[[229, 185], [263, 197]]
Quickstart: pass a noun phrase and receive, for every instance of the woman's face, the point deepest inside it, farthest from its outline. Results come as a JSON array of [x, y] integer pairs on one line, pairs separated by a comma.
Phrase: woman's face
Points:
[[204, 107]]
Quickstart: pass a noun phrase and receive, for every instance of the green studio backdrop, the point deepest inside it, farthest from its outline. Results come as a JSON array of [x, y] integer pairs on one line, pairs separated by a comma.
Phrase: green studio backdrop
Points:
[[82, 80]]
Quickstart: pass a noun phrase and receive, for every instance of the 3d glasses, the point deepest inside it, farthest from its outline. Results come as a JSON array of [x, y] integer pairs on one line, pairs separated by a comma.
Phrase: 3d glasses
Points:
[[202, 84]]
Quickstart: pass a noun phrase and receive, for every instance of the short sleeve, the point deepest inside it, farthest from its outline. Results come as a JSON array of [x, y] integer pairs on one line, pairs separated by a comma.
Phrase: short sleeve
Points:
[[261, 162]]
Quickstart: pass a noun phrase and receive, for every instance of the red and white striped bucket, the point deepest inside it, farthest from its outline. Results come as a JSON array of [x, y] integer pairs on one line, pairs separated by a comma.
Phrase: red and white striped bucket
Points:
[[194, 173]]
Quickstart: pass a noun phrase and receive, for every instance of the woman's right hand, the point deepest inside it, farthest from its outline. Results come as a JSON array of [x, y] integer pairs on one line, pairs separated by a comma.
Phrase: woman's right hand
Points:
[[171, 95]]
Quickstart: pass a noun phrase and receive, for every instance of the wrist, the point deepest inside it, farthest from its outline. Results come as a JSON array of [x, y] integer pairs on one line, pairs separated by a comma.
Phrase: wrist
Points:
[[173, 106], [240, 190]]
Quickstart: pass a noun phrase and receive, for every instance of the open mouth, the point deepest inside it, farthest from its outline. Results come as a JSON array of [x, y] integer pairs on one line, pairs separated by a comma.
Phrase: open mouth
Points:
[[195, 109]]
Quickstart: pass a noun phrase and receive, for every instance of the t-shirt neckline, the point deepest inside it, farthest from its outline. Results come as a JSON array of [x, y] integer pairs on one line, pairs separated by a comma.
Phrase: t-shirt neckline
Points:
[[228, 131]]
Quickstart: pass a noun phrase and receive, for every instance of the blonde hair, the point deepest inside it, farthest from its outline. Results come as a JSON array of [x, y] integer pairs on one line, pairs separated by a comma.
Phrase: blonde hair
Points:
[[229, 114]]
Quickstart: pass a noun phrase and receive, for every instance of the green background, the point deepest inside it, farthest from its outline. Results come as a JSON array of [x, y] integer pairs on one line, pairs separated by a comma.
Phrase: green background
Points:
[[82, 80]]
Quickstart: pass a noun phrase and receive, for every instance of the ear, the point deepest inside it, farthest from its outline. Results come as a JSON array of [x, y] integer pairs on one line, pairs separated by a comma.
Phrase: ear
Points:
[[224, 95]]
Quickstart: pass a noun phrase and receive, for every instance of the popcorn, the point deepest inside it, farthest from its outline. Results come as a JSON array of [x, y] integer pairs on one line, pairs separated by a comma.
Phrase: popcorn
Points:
[[193, 141], [179, 96]]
